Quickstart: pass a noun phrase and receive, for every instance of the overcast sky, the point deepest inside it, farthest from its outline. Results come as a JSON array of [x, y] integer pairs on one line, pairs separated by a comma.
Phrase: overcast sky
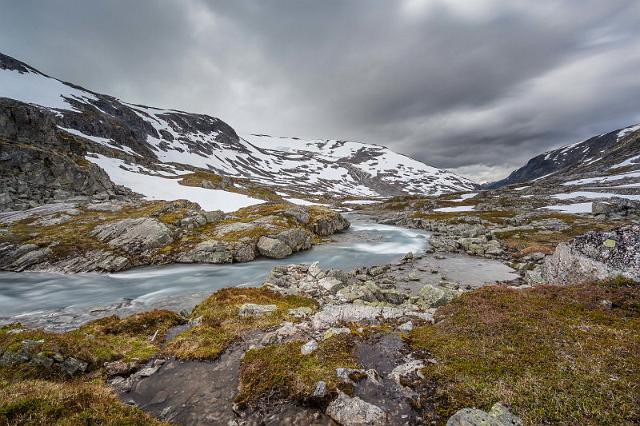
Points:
[[475, 86]]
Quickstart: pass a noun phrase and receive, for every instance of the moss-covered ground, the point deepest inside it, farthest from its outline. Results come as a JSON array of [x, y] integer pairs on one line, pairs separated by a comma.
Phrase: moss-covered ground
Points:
[[282, 371], [221, 323], [44, 403], [33, 394], [100, 341], [557, 355]]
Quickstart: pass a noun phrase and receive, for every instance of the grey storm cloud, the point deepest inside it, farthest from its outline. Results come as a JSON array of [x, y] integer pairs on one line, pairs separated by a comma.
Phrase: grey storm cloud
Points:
[[473, 86]]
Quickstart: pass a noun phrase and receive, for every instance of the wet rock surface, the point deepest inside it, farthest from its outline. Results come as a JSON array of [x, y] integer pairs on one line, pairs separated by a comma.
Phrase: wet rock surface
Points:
[[386, 354], [190, 392]]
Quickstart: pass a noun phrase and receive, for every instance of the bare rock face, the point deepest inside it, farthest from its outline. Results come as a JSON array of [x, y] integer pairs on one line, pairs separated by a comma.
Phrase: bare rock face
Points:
[[595, 255], [134, 235], [337, 314], [349, 411]]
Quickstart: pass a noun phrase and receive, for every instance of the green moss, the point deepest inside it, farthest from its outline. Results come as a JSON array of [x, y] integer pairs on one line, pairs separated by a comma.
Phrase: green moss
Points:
[[199, 177], [556, 354], [201, 342], [97, 342], [222, 325], [46, 403], [282, 370], [619, 281]]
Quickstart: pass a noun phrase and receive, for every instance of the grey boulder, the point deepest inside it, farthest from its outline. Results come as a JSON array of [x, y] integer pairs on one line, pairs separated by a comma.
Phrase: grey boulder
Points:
[[349, 411], [273, 248], [498, 416]]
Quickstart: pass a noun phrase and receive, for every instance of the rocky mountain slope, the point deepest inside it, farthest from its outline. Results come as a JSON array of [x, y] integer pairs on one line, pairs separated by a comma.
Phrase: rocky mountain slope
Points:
[[595, 156], [54, 134]]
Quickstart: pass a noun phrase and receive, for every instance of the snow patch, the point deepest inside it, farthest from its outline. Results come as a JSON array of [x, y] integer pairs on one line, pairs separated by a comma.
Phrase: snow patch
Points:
[[162, 188], [35, 88], [572, 208], [455, 209]]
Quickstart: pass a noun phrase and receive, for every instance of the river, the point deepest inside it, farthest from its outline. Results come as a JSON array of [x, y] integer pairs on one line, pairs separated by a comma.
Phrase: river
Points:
[[63, 301]]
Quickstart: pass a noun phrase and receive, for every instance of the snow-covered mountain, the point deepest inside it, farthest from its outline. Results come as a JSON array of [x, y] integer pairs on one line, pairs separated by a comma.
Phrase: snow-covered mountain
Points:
[[167, 144], [600, 155]]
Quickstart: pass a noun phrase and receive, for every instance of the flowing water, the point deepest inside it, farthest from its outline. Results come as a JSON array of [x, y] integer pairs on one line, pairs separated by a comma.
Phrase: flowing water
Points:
[[62, 301]]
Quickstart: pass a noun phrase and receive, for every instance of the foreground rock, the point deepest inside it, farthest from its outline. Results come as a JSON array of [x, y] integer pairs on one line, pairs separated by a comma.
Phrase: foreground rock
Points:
[[498, 416], [114, 235], [349, 411], [593, 256]]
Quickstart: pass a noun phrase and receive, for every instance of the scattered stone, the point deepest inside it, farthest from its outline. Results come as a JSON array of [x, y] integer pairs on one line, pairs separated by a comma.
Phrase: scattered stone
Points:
[[71, 366], [349, 375], [410, 367], [118, 368], [334, 331], [431, 296], [320, 390], [301, 312], [309, 347], [254, 310], [406, 327]]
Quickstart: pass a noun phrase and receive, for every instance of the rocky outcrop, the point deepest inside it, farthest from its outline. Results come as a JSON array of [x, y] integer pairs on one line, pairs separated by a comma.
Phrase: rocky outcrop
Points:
[[53, 169], [27, 353], [350, 313], [113, 235], [134, 235], [376, 287], [616, 208], [209, 251], [593, 256], [330, 225]]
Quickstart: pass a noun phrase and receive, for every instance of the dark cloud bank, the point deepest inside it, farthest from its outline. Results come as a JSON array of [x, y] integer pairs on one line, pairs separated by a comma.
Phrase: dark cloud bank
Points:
[[474, 86]]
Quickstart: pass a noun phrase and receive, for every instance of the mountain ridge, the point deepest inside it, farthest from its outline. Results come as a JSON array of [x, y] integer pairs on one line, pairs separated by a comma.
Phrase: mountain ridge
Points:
[[597, 152], [169, 143]]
